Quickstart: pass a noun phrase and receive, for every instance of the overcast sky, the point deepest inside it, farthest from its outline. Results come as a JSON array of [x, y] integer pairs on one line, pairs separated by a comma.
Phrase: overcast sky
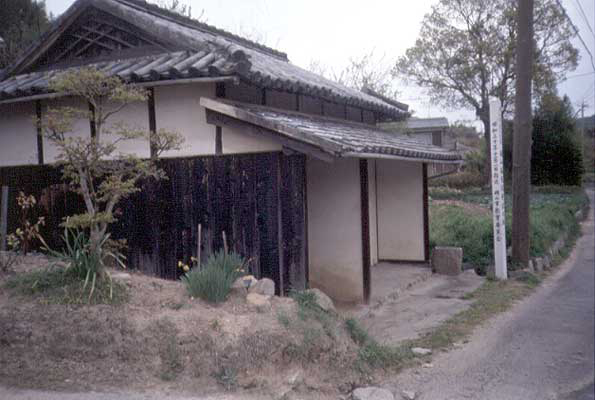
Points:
[[333, 31]]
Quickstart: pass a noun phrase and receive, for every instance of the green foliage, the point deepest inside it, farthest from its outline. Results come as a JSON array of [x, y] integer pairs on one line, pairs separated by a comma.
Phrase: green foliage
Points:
[[465, 53], [23, 22], [556, 156], [452, 226], [212, 282], [82, 261], [355, 330], [551, 212]]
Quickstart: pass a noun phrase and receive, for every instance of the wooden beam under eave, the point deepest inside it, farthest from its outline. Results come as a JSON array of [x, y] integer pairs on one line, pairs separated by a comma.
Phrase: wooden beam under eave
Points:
[[39, 132]]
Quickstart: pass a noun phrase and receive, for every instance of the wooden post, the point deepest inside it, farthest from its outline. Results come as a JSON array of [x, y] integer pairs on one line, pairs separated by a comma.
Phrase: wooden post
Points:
[[39, 132], [199, 242], [426, 213], [365, 220], [521, 145], [152, 121], [3, 218]]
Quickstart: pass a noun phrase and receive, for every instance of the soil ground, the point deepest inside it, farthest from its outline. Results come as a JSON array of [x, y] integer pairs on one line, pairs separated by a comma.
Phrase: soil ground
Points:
[[162, 341]]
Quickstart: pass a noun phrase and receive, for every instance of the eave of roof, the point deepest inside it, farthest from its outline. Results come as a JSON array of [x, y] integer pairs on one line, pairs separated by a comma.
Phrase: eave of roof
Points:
[[335, 137]]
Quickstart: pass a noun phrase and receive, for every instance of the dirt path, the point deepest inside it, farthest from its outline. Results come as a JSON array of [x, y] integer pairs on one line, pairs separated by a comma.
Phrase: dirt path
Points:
[[541, 349]]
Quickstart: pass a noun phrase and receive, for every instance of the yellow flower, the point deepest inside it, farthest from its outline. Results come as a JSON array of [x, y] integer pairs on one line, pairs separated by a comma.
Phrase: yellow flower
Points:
[[180, 264], [186, 268]]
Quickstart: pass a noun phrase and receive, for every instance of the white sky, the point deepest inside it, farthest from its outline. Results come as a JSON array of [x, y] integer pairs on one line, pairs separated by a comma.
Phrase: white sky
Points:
[[333, 31]]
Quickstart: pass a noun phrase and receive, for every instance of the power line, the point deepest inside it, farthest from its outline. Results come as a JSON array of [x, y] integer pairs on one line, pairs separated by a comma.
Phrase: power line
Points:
[[582, 12], [577, 75], [577, 33]]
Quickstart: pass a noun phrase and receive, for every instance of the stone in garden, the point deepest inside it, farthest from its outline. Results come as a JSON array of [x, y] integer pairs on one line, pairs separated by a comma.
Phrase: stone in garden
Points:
[[261, 302], [372, 393], [420, 351], [531, 267], [322, 300], [121, 276], [447, 260], [248, 280], [538, 264], [428, 365], [409, 394], [265, 286], [547, 262]]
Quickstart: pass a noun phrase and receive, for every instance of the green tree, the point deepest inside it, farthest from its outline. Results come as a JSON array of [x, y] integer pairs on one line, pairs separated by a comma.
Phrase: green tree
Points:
[[23, 21], [465, 54], [93, 165], [556, 156]]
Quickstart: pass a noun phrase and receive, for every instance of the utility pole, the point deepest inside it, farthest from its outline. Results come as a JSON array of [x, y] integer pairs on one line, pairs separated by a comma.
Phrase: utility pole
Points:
[[521, 151]]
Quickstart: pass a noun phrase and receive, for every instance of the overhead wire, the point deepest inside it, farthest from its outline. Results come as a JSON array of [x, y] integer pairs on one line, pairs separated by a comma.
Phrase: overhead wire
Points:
[[577, 33], [582, 13]]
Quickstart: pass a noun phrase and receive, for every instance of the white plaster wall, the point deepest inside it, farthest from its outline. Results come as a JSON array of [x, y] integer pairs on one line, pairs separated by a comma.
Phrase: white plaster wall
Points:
[[135, 116], [236, 141], [372, 212], [80, 127], [177, 109], [18, 135], [400, 210], [334, 228]]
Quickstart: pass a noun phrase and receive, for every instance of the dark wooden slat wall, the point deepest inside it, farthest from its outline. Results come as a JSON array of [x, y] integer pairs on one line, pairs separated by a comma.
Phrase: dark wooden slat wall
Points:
[[236, 194]]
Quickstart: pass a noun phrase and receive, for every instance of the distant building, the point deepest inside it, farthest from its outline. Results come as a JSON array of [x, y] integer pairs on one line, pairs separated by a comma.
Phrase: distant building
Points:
[[428, 131]]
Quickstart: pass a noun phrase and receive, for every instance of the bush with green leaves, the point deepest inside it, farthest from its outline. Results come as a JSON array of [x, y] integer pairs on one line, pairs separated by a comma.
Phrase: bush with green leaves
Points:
[[556, 153], [212, 281]]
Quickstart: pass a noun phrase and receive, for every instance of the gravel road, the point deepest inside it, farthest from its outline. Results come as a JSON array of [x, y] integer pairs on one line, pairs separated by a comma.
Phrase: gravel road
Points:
[[542, 349]]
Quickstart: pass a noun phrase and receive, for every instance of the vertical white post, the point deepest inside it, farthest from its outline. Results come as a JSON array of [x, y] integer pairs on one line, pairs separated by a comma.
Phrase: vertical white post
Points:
[[498, 190]]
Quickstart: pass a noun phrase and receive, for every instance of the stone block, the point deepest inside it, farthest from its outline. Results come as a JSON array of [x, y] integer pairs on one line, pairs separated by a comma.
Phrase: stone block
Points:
[[447, 260], [264, 286], [538, 264]]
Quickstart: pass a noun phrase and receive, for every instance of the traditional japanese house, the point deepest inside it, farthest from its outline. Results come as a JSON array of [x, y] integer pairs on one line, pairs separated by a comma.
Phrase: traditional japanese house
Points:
[[290, 165]]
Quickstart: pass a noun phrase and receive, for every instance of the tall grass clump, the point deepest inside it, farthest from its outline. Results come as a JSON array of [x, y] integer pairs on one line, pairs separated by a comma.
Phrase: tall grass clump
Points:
[[85, 263], [212, 282]]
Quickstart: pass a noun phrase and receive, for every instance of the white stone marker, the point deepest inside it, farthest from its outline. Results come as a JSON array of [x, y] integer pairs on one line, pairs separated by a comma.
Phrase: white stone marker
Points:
[[498, 190]]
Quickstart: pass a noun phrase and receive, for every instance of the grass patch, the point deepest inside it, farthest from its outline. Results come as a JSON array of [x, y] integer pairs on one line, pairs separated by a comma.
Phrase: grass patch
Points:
[[358, 334], [64, 286], [552, 212], [492, 298]]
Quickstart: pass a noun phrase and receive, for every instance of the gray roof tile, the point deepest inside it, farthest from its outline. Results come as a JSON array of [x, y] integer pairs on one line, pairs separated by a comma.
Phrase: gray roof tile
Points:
[[338, 138]]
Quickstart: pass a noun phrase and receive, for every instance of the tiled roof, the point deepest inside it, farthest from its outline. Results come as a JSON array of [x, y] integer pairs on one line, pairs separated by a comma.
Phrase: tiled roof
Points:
[[225, 54], [337, 138], [427, 123], [175, 65]]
